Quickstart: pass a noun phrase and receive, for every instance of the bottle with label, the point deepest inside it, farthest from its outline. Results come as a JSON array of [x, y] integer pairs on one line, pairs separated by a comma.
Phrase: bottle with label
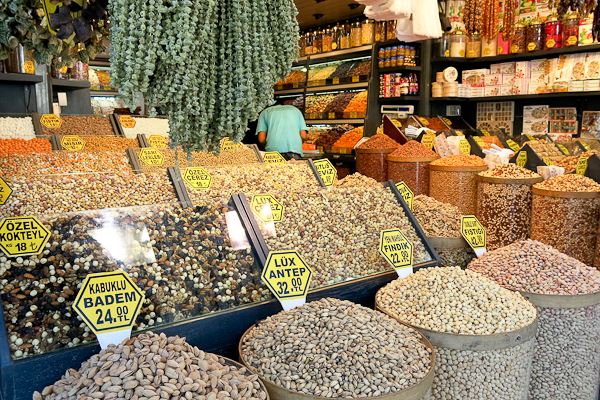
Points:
[[302, 44], [327, 39], [416, 88], [380, 33], [335, 37], [390, 30], [356, 34], [308, 40], [345, 36], [571, 30], [404, 87], [318, 42], [474, 45], [535, 35], [553, 33]]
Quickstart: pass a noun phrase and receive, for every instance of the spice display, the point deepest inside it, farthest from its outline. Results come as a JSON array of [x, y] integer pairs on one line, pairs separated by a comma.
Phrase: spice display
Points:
[[63, 163], [458, 302], [504, 201], [323, 73], [570, 163], [333, 135], [82, 126], [565, 215], [358, 103], [489, 140], [553, 32], [568, 329], [460, 160], [241, 156], [256, 179], [343, 70], [182, 369], [53, 194], [433, 123], [380, 141], [255, 44], [317, 104], [16, 128], [23, 146], [310, 223], [317, 364], [363, 68], [180, 257], [350, 139], [410, 164], [296, 76], [442, 220], [357, 180], [340, 103]]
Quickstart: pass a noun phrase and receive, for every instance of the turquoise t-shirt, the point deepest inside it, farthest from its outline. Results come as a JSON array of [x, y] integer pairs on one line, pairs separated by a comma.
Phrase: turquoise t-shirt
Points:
[[283, 125]]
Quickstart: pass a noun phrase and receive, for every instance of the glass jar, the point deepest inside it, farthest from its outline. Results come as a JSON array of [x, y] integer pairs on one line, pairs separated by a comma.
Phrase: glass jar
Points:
[[308, 40], [390, 30], [79, 71], [335, 37], [534, 35], [356, 35], [393, 62], [489, 47], [302, 44], [445, 45], [519, 42], [474, 45], [318, 42], [345, 42], [571, 30], [401, 51], [381, 53], [388, 52], [394, 51], [380, 32], [387, 63], [368, 31], [327, 40], [381, 63], [552, 33], [458, 44]]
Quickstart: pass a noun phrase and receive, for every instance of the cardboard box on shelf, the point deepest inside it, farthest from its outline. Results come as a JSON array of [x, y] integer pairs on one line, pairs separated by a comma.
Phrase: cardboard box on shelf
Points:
[[522, 69], [536, 88], [521, 86], [475, 77], [507, 68], [495, 69], [506, 90], [491, 91], [476, 92], [537, 65], [591, 85], [492, 79], [508, 79], [537, 77], [576, 86]]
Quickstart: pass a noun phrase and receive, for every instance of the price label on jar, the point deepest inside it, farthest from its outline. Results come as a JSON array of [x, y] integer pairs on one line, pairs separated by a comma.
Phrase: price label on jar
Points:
[[109, 303], [267, 208], [152, 157], [273, 157], [198, 178], [582, 166], [522, 159], [479, 141], [158, 142], [51, 121], [72, 143], [5, 192], [29, 67], [531, 46], [427, 140], [564, 149], [288, 276], [406, 194], [464, 147], [572, 40], [474, 233], [397, 250], [513, 145], [23, 236], [326, 171], [127, 121]]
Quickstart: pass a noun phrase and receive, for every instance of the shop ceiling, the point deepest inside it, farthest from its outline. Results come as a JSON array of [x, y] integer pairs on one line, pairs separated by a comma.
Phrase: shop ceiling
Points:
[[331, 11]]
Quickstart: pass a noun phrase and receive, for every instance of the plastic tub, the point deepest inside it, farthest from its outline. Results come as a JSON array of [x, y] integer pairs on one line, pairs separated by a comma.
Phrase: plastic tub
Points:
[[420, 391], [453, 252], [504, 209], [567, 221], [455, 185], [414, 171], [373, 163], [481, 367]]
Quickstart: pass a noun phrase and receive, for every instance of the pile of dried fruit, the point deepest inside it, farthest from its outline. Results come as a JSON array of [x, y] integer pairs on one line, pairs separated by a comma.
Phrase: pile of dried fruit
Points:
[[350, 139], [380, 141]]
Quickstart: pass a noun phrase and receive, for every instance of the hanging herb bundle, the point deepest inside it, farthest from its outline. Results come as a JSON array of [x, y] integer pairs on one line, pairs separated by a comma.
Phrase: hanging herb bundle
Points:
[[209, 64]]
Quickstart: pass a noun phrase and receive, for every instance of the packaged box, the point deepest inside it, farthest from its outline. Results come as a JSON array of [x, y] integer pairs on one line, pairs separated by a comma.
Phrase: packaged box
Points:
[[576, 86], [495, 69], [521, 86], [537, 77], [506, 90], [559, 87], [537, 65], [522, 69], [491, 91], [474, 77], [536, 126], [492, 79], [507, 68], [536, 112], [536, 88], [591, 85], [476, 92], [508, 79], [592, 66]]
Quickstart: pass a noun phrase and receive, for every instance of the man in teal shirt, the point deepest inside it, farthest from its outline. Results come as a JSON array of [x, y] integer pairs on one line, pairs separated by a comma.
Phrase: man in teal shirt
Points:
[[282, 128]]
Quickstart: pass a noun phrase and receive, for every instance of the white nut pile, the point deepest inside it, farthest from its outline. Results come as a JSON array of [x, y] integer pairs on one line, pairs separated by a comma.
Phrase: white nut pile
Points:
[[155, 367], [566, 361], [334, 348], [16, 128], [148, 126], [452, 300]]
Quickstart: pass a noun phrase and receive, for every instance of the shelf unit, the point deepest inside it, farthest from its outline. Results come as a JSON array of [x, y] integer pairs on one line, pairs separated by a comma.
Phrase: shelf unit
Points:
[[20, 89], [104, 93], [22, 78], [332, 88], [335, 121], [78, 94]]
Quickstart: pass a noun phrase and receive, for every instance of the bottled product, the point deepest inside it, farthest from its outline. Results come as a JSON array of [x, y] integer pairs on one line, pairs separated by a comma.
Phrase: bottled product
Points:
[[368, 31], [474, 45], [79, 71], [380, 32], [552, 33], [335, 37], [381, 63], [390, 30], [308, 40], [393, 62], [535, 35], [318, 42], [345, 36], [302, 44], [445, 45], [458, 44], [356, 35], [519, 42], [571, 30], [388, 52], [394, 51], [489, 48], [382, 53], [327, 40]]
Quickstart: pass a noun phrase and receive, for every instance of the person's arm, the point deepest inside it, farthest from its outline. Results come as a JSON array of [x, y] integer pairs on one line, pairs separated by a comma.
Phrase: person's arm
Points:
[[303, 134], [261, 130], [302, 126], [262, 138]]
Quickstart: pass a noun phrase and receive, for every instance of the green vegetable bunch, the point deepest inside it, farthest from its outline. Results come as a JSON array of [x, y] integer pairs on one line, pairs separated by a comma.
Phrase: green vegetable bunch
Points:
[[209, 64]]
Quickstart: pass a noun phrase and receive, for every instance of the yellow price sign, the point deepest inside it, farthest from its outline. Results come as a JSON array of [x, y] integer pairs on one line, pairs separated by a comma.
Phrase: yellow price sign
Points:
[[228, 145], [287, 275], [447, 121], [522, 159], [513, 145], [547, 161], [464, 147], [427, 140], [474, 233], [108, 302], [29, 67], [273, 213], [22, 236], [198, 178], [326, 171], [355, 78], [127, 121], [485, 132], [564, 149], [273, 157], [423, 121], [158, 142], [51, 121], [530, 137], [5, 192], [336, 81], [479, 141], [406, 193], [397, 250], [152, 157], [72, 143], [585, 145], [582, 166]]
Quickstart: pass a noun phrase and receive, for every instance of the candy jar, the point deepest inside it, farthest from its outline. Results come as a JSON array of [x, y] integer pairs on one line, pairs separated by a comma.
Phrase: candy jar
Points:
[[474, 45], [534, 35], [380, 32], [571, 30], [345, 36], [489, 47], [519, 42], [368, 31], [552, 33], [458, 44], [356, 34], [327, 40]]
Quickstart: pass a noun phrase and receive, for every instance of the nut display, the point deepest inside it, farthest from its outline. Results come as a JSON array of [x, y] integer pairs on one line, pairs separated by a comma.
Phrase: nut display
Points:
[[543, 148], [337, 231], [64, 163], [433, 123], [126, 371], [357, 180], [318, 103], [363, 68], [313, 134], [410, 164], [333, 135], [570, 163], [379, 141], [504, 201], [358, 103], [323, 73], [82, 126], [22, 146], [104, 143], [343, 71], [340, 102], [371, 156], [16, 128], [181, 258], [350, 138], [566, 360], [460, 160], [147, 126], [327, 348], [173, 158]]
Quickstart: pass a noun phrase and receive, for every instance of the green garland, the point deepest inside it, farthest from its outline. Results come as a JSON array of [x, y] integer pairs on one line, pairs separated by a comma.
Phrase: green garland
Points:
[[209, 64]]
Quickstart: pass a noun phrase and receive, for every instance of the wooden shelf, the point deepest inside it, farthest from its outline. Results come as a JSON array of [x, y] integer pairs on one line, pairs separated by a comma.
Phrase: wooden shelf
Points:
[[21, 78], [517, 97], [346, 86], [340, 54], [400, 68], [104, 93], [401, 98], [334, 121], [289, 91], [72, 84]]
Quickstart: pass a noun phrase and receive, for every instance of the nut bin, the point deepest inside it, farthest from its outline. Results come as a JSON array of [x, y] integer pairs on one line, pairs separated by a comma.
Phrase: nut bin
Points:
[[453, 252], [456, 185], [64, 162], [16, 128], [82, 126], [147, 126], [373, 163], [414, 171], [504, 209], [567, 221]]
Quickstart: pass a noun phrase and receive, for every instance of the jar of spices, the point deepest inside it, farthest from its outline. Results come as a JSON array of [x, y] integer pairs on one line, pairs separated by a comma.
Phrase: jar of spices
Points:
[[381, 63], [458, 44], [390, 30], [503, 45], [393, 62], [401, 50], [308, 40], [368, 31], [552, 33], [474, 45], [571, 30], [302, 44], [345, 36], [356, 34], [489, 47], [318, 42], [327, 40], [335, 37], [394, 52], [519, 42], [400, 61], [535, 35], [380, 33]]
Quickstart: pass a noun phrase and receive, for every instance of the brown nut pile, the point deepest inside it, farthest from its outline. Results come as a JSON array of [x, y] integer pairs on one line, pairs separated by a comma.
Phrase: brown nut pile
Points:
[[82, 126], [358, 180], [318, 104], [172, 158], [333, 135], [340, 103], [460, 160], [510, 170], [570, 163], [364, 68], [380, 141], [64, 163], [436, 218], [103, 143], [153, 366], [569, 183]]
